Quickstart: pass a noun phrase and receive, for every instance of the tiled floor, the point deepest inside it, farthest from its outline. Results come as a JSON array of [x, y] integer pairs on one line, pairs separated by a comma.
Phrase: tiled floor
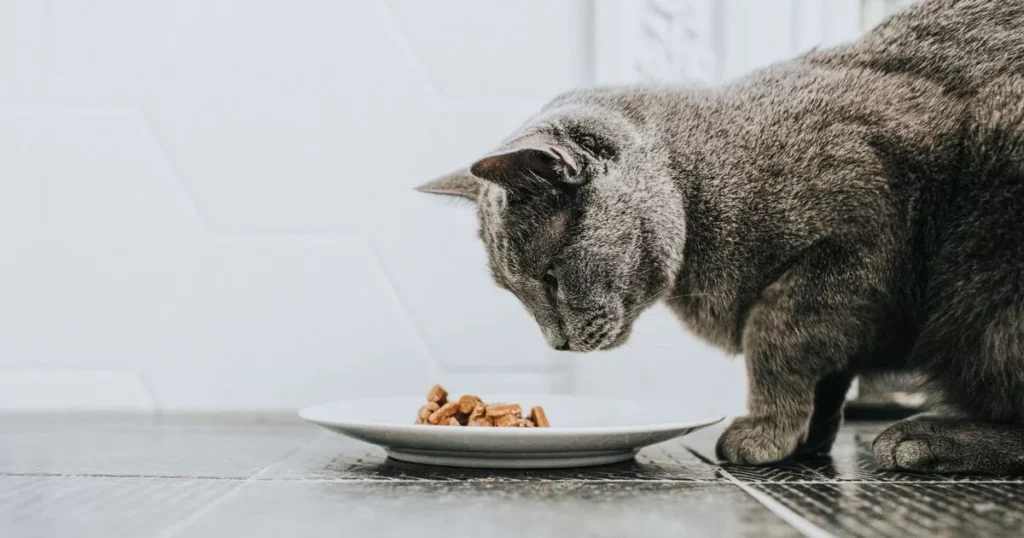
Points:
[[87, 476]]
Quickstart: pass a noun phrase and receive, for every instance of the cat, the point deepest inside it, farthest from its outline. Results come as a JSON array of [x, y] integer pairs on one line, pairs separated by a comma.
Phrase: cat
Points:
[[854, 210]]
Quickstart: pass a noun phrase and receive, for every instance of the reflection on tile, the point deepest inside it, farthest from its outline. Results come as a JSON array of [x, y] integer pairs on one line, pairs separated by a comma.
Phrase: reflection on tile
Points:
[[85, 507], [135, 446], [311, 509], [333, 457], [902, 509]]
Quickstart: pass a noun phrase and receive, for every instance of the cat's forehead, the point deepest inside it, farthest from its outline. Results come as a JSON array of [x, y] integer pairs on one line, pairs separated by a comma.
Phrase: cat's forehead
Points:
[[493, 199], [490, 209], [500, 209], [520, 234]]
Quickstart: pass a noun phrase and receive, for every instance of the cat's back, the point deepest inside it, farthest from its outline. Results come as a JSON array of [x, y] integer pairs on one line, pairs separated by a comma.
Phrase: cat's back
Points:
[[903, 109], [960, 45], [827, 145]]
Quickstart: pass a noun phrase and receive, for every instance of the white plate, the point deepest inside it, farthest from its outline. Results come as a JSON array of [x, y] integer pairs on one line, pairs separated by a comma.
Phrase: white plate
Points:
[[585, 431]]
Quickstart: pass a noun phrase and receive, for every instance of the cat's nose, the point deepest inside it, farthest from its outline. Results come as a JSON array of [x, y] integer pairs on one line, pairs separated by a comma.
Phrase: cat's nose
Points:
[[555, 338]]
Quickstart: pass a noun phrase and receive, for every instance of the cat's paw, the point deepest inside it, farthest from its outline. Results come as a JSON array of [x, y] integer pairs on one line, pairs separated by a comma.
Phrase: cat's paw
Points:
[[911, 445], [757, 441]]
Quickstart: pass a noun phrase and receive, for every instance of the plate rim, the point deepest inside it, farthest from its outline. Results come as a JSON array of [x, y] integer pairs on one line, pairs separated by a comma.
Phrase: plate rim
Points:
[[305, 414], [563, 460]]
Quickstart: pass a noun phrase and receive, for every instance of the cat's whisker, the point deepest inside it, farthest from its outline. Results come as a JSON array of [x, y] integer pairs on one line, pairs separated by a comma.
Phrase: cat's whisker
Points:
[[647, 302]]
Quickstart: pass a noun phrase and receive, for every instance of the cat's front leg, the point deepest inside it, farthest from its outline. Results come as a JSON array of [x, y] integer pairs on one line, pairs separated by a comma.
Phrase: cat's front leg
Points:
[[829, 399], [826, 418], [781, 406], [804, 331]]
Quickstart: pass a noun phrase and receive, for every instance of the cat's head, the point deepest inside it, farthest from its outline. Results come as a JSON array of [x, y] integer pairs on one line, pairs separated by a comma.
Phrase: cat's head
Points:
[[573, 211]]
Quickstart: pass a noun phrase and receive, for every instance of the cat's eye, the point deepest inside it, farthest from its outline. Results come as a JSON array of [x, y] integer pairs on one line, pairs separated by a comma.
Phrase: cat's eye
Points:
[[589, 143], [594, 146], [550, 280]]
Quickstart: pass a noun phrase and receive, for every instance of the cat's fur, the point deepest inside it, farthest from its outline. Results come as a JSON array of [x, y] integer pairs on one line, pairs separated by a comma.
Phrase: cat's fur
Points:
[[852, 210]]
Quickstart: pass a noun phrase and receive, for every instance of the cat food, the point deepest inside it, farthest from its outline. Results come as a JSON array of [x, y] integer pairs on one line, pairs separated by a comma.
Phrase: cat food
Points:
[[468, 403], [506, 421], [470, 410], [501, 410], [424, 413], [437, 395], [444, 413], [538, 417]]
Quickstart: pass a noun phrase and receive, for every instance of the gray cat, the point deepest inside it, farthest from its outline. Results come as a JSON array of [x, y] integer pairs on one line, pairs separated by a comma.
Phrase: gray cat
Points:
[[854, 210]]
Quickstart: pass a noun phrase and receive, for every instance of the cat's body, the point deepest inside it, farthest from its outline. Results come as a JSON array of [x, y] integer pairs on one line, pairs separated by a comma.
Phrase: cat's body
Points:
[[853, 210]]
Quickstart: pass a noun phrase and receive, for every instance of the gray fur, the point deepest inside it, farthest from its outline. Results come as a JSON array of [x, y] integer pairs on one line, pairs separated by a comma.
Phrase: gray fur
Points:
[[853, 210]]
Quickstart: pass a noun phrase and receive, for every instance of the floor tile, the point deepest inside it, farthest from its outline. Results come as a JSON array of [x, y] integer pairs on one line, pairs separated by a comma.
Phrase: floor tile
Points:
[[102, 507], [905, 509], [556, 509], [133, 446], [95, 475]]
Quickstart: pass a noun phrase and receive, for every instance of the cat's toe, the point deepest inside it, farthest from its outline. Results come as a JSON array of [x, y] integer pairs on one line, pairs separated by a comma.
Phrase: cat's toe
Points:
[[884, 449], [756, 442], [911, 445], [922, 455], [914, 455]]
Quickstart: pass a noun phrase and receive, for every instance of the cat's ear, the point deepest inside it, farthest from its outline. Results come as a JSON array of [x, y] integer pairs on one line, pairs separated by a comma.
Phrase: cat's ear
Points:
[[458, 183], [530, 162]]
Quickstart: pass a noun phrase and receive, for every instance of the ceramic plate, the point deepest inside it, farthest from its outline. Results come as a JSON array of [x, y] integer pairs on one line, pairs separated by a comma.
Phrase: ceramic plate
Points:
[[584, 431]]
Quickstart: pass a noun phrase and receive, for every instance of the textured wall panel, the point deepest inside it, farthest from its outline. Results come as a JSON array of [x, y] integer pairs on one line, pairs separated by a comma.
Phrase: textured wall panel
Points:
[[213, 200], [497, 50], [279, 116]]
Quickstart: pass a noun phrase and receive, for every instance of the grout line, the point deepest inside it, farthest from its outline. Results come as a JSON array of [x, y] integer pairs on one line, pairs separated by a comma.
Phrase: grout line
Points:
[[313, 438], [185, 522], [256, 477], [432, 87], [700, 456], [398, 301], [881, 482], [186, 188], [589, 35], [138, 476], [384, 481], [251, 479], [794, 519]]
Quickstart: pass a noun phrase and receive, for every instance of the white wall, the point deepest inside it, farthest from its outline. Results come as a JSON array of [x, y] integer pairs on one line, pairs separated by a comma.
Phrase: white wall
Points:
[[208, 205]]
